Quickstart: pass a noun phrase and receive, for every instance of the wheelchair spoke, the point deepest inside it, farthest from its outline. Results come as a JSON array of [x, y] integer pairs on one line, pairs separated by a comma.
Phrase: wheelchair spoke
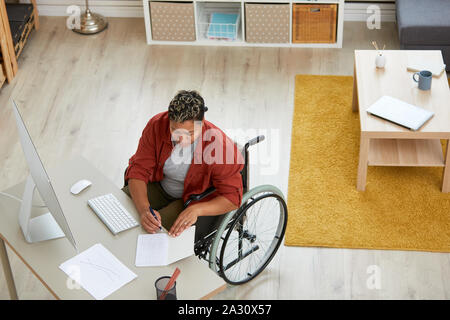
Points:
[[266, 231], [231, 251], [247, 252], [238, 269], [232, 254], [256, 233], [239, 259], [265, 248]]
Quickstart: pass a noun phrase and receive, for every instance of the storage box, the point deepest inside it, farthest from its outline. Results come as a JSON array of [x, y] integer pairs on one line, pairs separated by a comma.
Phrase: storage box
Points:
[[267, 23], [314, 23], [172, 21]]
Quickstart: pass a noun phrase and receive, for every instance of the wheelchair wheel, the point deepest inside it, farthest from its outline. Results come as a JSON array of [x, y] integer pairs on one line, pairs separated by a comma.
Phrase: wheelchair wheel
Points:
[[253, 235]]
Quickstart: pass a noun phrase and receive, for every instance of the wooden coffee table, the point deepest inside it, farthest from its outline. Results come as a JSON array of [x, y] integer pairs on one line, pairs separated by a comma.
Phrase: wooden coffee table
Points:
[[387, 144]]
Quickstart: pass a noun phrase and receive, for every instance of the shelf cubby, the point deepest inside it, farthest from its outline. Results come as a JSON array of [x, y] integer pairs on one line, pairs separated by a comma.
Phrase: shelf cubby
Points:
[[267, 22], [209, 31], [277, 31]]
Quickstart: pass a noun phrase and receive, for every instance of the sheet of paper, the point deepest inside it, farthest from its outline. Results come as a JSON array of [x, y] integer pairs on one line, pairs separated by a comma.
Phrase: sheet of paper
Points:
[[152, 250], [182, 246], [160, 249], [98, 271], [416, 64]]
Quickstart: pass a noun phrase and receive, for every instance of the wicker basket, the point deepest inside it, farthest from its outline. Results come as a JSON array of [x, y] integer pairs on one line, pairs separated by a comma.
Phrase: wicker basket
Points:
[[314, 23]]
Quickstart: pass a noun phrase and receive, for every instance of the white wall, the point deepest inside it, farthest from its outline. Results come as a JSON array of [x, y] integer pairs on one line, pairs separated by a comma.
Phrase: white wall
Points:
[[109, 8], [133, 8], [358, 11]]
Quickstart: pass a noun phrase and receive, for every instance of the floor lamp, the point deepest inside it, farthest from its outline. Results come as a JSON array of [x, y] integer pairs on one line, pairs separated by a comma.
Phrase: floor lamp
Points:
[[90, 22]]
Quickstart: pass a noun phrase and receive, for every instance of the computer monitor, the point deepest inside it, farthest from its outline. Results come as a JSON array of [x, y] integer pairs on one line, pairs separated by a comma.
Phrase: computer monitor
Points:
[[50, 225]]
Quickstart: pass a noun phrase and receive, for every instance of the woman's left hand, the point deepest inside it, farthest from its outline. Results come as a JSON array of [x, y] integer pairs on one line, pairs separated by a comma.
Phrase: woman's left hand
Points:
[[185, 219]]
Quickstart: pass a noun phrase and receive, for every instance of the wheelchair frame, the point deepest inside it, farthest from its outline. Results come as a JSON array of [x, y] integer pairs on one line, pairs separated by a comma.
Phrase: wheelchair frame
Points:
[[206, 248]]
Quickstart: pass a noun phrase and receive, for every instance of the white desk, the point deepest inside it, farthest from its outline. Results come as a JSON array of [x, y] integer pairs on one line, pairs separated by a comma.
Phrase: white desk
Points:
[[196, 280]]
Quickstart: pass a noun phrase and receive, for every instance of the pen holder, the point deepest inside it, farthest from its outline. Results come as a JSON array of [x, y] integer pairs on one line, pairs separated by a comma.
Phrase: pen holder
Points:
[[380, 60], [160, 284]]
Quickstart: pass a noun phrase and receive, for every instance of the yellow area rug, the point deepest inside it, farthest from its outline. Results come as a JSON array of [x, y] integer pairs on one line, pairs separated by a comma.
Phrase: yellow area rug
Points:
[[401, 209]]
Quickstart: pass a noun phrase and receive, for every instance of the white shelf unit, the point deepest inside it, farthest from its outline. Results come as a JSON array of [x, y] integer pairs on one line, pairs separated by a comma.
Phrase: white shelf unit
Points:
[[203, 7]]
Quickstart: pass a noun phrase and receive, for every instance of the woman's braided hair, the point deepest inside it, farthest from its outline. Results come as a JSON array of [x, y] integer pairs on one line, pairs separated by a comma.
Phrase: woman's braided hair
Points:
[[187, 105]]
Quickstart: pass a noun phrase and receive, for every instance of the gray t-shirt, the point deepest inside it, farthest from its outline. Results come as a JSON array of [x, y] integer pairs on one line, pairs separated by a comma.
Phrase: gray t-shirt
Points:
[[176, 168]]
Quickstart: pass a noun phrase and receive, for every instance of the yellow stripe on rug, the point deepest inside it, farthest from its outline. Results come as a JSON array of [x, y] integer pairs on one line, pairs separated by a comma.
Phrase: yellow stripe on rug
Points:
[[402, 207]]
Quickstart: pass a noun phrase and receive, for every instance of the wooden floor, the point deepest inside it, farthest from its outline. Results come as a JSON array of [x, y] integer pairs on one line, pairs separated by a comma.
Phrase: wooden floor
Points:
[[92, 95]]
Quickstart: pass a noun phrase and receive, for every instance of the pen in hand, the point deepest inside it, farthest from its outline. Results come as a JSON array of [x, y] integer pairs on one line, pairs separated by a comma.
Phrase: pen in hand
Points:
[[154, 215]]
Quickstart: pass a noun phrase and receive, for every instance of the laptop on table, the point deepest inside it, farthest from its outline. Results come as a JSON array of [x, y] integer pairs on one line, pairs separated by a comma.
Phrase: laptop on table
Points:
[[400, 112]]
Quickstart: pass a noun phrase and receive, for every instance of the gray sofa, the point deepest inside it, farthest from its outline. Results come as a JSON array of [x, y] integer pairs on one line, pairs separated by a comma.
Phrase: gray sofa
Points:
[[424, 25]]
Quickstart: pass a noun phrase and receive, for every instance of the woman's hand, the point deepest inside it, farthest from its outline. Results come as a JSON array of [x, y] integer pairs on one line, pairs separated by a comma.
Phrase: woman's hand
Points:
[[185, 219], [149, 222]]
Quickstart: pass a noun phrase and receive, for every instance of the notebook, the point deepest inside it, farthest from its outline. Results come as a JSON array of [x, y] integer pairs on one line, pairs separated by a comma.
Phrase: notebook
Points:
[[400, 112], [160, 249]]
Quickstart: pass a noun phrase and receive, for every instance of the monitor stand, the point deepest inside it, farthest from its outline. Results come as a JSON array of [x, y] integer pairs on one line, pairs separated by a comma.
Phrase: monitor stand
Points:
[[43, 227]]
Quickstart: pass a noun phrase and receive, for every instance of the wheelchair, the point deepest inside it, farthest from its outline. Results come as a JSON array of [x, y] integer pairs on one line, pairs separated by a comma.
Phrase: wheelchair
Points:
[[242, 242]]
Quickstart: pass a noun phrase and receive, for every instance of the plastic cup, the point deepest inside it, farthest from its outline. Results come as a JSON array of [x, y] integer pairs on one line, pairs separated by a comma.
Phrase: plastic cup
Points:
[[160, 284]]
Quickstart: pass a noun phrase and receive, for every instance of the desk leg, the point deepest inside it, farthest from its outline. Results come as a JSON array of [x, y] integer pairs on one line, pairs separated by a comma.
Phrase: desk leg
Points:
[[7, 270], [355, 104], [363, 161], [446, 176]]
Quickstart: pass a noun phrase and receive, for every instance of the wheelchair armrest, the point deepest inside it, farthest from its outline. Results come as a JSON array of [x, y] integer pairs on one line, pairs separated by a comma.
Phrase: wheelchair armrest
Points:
[[196, 197], [207, 192]]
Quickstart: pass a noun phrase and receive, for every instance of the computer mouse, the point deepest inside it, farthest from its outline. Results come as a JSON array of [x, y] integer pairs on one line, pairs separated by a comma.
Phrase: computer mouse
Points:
[[80, 186]]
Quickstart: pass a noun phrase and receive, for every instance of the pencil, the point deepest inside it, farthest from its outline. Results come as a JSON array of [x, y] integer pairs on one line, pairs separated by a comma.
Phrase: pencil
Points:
[[169, 285]]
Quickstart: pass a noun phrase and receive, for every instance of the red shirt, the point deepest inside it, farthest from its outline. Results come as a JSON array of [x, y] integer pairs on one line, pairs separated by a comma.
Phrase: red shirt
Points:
[[216, 162]]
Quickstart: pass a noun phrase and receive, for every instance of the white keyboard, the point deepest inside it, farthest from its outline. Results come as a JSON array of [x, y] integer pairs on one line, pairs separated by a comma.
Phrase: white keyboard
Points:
[[112, 213]]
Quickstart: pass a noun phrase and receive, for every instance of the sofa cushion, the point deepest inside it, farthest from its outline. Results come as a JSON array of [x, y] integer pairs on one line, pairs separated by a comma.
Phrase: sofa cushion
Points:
[[424, 22]]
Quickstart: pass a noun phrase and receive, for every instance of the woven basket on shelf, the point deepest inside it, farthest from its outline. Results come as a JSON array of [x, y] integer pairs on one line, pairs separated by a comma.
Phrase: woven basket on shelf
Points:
[[314, 23]]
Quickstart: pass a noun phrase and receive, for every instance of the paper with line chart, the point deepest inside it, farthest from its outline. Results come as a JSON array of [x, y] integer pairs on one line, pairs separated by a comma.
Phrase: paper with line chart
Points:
[[98, 271]]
